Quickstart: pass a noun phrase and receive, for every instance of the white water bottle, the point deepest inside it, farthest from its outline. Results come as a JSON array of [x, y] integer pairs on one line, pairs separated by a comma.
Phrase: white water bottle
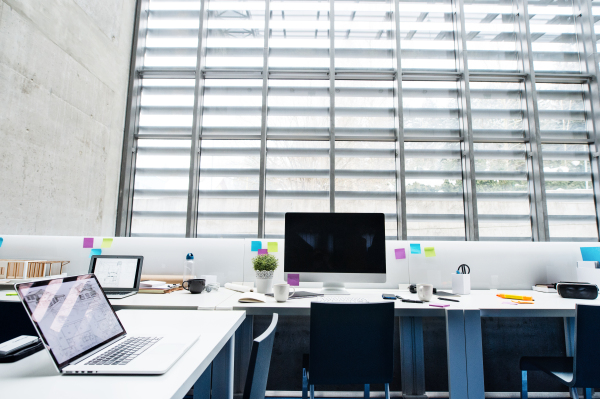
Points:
[[188, 267]]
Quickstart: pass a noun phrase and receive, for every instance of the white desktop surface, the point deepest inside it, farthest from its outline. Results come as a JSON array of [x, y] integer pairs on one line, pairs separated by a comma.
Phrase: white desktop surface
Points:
[[36, 377], [178, 300]]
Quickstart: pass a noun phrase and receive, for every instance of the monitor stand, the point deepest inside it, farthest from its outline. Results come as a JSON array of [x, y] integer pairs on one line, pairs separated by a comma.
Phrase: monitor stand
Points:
[[334, 289]]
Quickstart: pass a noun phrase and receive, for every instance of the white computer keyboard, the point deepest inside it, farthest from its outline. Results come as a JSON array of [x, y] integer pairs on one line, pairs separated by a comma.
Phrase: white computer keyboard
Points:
[[341, 299]]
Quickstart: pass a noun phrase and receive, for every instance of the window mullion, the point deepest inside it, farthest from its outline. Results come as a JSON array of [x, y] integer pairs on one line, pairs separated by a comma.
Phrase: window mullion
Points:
[[537, 189], [332, 106], [263, 128], [468, 159]]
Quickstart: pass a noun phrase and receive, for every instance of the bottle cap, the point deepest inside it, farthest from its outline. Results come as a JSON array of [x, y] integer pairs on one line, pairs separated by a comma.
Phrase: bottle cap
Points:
[[189, 256]]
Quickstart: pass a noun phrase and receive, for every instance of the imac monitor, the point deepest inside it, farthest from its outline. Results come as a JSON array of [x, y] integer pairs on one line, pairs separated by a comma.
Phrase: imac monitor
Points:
[[335, 248]]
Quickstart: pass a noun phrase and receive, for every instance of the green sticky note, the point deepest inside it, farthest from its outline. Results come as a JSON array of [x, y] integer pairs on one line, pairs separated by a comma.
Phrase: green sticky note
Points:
[[429, 252], [106, 243], [272, 247]]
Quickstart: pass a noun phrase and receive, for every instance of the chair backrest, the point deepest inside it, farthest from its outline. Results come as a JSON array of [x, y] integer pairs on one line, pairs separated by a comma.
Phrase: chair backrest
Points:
[[260, 360], [587, 346], [351, 343]]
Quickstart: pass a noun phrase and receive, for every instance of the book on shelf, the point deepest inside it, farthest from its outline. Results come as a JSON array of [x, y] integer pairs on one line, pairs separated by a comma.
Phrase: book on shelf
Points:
[[164, 289], [544, 287], [252, 297]]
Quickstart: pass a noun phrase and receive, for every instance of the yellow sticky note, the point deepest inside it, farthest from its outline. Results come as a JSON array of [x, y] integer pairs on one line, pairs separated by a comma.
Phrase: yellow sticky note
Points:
[[272, 247], [106, 243], [429, 252]]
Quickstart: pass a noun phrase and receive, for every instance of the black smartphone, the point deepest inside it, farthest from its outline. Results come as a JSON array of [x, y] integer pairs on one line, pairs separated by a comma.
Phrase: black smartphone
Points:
[[389, 296]]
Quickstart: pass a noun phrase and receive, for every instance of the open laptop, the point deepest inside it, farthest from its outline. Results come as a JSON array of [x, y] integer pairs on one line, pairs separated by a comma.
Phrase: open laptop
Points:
[[84, 335], [119, 275]]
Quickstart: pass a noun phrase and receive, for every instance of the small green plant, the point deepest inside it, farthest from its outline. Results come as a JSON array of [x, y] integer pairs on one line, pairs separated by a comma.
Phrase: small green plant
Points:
[[265, 263]]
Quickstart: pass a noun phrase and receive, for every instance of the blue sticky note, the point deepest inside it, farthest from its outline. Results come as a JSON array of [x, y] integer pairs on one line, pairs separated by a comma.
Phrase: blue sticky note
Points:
[[256, 245], [415, 248], [1, 241], [95, 251], [590, 253]]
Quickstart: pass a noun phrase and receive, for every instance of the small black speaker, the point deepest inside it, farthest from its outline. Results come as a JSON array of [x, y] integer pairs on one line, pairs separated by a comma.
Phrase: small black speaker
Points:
[[577, 290]]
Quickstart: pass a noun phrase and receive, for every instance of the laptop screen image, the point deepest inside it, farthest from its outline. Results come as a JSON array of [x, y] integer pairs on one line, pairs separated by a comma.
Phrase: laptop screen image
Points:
[[71, 314], [116, 272]]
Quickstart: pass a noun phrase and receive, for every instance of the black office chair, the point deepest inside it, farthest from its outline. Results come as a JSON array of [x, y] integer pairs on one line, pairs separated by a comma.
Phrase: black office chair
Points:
[[260, 360], [579, 371], [350, 343]]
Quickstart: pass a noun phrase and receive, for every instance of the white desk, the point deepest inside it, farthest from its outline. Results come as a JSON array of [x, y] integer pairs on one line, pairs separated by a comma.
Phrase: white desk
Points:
[[36, 377], [178, 300]]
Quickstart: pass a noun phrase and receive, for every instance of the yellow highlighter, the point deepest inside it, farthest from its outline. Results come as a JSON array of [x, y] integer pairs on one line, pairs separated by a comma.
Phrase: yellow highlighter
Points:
[[519, 297]]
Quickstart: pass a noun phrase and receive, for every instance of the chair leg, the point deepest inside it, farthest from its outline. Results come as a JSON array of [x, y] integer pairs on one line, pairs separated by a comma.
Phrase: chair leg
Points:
[[387, 391], [304, 384], [574, 393], [367, 391], [524, 384], [312, 392], [588, 393]]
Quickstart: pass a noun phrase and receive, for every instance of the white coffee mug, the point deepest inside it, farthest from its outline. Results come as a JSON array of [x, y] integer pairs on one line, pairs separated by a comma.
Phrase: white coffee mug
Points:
[[282, 292], [425, 292]]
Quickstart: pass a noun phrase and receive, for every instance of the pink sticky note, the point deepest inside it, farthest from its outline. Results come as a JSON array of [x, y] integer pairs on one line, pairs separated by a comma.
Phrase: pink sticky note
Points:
[[88, 242], [294, 279], [400, 253], [438, 305], [263, 251]]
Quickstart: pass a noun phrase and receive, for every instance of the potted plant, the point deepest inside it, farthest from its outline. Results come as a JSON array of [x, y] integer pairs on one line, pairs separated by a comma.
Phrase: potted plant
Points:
[[264, 265]]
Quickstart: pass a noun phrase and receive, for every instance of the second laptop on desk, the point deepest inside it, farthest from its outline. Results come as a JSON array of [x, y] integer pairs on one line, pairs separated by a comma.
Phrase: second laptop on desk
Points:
[[119, 275]]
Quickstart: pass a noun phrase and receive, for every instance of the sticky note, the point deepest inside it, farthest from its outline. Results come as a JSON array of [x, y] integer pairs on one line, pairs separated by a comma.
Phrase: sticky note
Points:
[[1, 241], [95, 252], [88, 242], [400, 253], [590, 253], [106, 243], [272, 247], [263, 252], [415, 248], [294, 279], [255, 246], [429, 252]]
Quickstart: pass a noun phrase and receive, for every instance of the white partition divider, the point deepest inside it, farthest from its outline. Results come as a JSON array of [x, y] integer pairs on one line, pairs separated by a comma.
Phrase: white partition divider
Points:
[[501, 264]]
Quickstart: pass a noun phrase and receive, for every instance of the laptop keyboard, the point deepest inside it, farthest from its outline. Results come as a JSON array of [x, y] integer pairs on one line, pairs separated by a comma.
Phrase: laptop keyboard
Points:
[[124, 353]]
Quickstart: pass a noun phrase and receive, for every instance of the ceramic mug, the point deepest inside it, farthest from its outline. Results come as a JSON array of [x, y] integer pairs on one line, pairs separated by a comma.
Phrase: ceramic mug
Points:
[[425, 292], [282, 292], [195, 285]]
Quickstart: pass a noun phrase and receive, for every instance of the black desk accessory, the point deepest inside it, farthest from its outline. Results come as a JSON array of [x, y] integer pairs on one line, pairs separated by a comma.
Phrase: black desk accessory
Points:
[[408, 300], [413, 290], [17, 324], [448, 299], [577, 290]]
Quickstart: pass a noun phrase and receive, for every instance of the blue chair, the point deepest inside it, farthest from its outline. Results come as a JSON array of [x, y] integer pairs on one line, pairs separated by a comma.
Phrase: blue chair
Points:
[[260, 360], [350, 343], [580, 371]]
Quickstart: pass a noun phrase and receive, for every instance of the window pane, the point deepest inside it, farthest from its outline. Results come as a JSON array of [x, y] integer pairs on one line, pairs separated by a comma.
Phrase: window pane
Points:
[[497, 110], [491, 37], [553, 37], [297, 181], [569, 192], [172, 36], [235, 34], [502, 191], [166, 107], [561, 109], [365, 180], [299, 34], [430, 109], [427, 35], [363, 34], [434, 194], [228, 190], [161, 188]]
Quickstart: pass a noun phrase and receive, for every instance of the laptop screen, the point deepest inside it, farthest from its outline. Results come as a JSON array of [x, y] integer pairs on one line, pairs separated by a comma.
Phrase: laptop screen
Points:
[[71, 314], [116, 271]]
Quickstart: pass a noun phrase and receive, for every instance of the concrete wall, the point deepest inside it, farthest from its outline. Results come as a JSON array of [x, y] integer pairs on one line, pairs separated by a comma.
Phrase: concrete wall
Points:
[[64, 67]]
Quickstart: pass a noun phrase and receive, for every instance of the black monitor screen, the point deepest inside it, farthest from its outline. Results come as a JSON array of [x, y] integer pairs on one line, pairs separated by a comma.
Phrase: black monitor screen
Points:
[[334, 243]]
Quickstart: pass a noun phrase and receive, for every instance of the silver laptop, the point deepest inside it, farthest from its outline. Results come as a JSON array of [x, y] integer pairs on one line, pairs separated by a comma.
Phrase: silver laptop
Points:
[[84, 335], [119, 275]]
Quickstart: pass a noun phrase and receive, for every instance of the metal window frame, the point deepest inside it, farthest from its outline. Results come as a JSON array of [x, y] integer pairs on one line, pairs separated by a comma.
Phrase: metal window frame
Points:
[[538, 208]]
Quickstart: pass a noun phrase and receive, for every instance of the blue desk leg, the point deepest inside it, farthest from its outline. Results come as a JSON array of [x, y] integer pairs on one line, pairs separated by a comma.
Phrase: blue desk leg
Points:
[[222, 375], [202, 385], [569, 323], [411, 358], [457, 355], [243, 347], [474, 351]]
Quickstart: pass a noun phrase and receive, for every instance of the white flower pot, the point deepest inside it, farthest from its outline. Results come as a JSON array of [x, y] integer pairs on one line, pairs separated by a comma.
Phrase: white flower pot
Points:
[[264, 282]]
